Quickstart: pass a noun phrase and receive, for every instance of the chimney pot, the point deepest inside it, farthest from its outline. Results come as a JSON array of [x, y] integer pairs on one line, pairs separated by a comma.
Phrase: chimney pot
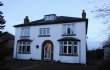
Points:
[[84, 14]]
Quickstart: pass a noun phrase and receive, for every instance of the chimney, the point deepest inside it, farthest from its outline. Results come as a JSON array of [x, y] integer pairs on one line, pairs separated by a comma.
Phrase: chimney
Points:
[[26, 20], [84, 14]]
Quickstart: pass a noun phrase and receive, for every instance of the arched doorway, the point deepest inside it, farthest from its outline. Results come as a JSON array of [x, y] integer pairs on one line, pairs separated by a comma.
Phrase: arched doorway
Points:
[[47, 50]]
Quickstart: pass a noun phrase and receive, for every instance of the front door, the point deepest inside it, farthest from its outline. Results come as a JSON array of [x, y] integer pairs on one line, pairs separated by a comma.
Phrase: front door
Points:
[[47, 50]]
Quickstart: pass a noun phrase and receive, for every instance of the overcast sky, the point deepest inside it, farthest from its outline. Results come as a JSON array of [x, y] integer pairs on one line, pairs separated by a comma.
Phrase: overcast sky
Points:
[[15, 11]]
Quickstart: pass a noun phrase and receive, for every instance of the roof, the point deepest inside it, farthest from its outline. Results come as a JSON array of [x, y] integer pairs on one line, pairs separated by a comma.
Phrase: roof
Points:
[[8, 36], [60, 19], [68, 39], [5, 37], [29, 40]]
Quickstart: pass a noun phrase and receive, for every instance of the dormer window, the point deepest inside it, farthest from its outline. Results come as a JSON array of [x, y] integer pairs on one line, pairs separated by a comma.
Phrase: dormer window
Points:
[[50, 17]]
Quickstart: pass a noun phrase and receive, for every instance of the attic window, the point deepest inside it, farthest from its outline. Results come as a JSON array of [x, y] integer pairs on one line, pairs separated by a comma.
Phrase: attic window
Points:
[[50, 17]]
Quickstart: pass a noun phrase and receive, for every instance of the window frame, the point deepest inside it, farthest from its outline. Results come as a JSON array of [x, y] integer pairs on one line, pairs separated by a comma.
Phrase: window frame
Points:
[[66, 27], [50, 17], [72, 53], [24, 44], [44, 32], [25, 31]]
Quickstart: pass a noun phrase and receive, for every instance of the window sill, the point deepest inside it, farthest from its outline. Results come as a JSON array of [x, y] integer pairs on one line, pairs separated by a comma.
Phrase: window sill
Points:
[[24, 36], [24, 53], [68, 34], [44, 36], [69, 54]]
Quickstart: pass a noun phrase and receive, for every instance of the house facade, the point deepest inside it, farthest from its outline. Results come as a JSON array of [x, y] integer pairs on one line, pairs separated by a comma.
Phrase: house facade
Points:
[[58, 38]]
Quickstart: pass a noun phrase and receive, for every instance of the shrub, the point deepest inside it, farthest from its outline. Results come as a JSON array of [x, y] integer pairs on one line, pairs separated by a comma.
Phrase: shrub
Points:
[[104, 65], [5, 68]]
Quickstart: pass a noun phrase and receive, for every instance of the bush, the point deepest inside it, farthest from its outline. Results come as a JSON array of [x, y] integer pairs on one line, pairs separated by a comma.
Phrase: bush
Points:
[[104, 65], [4, 52], [5, 68], [94, 56]]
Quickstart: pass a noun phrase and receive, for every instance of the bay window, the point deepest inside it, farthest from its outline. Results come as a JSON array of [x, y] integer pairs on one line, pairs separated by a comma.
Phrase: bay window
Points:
[[69, 47], [24, 47]]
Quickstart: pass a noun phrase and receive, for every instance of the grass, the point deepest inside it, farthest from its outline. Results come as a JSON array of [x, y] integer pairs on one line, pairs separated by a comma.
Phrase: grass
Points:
[[41, 65]]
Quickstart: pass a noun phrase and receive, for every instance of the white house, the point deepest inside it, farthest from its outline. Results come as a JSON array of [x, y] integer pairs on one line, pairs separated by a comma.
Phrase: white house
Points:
[[53, 38]]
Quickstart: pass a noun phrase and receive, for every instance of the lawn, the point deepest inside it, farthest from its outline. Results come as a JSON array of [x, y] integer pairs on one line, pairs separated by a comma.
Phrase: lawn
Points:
[[41, 65]]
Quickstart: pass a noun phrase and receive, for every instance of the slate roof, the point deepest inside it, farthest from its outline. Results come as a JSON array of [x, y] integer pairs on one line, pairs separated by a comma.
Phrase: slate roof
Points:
[[25, 40], [68, 39], [60, 19]]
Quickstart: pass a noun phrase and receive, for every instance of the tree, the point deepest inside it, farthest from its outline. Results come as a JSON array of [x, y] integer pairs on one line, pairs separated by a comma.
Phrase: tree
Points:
[[106, 42], [2, 20], [102, 11], [104, 65], [2, 25]]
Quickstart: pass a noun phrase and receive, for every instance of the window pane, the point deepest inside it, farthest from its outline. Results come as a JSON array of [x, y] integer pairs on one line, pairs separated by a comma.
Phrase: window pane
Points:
[[28, 43], [20, 43], [65, 42], [44, 31], [69, 49], [47, 31], [61, 47], [64, 29], [65, 49], [61, 43], [68, 31], [75, 49], [19, 49], [23, 48], [22, 31], [70, 42], [28, 49], [19, 46], [72, 28], [23, 43], [40, 30], [75, 43], [28, 31]]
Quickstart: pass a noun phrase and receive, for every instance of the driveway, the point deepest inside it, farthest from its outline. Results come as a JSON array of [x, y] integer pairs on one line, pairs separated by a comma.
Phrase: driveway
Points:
[[42, 65]]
